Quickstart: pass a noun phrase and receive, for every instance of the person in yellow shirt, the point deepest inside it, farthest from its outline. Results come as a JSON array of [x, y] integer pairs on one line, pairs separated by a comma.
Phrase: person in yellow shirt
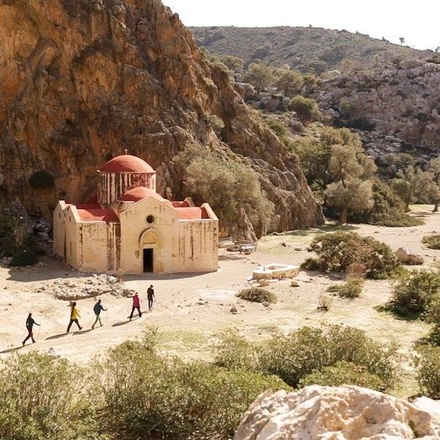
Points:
[[74, 315]]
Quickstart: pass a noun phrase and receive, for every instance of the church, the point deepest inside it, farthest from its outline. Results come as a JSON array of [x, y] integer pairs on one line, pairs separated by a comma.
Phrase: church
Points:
[[131, 229]]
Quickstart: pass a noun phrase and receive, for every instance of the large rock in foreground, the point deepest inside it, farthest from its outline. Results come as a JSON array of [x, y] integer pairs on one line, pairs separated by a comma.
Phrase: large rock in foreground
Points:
[[338, 413]]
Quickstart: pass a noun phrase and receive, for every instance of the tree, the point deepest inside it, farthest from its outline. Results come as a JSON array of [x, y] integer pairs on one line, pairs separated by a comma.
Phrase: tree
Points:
[[260, 75], [413, 184], [315, 154], [434, 169], [233, 63], [288, 81], [305, 108], [351, 195], [350, 169], [232, 189]]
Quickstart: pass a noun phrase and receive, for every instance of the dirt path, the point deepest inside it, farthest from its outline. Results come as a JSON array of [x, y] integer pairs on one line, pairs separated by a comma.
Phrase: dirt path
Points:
[[191, 309]]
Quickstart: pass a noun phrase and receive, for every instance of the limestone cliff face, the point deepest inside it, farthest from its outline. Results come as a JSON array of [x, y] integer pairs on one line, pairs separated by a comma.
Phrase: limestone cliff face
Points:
[[400, 100], [81, 80]]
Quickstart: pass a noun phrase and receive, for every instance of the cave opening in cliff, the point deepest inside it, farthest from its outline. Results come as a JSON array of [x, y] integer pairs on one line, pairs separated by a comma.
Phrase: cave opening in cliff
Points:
[[148, 260]]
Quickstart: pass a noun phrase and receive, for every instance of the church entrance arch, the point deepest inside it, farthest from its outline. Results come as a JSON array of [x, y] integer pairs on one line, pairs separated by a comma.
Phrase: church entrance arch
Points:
[[150, 244]]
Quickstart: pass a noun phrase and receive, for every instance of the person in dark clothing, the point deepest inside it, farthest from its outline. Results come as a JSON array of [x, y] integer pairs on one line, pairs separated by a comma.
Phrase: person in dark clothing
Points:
[[97, 308], [150, 297], [74, 315], [136, 305], [30, 328]]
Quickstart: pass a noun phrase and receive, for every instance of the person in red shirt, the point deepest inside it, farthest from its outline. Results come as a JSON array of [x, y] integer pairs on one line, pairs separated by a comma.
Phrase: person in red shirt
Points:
[[136, 306]]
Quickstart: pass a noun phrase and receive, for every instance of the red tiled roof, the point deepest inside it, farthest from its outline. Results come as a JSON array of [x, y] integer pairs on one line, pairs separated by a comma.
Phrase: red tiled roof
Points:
[[88, 206], [139, 193], [127, 164], [180, 204], [98, 215], [192, 213]]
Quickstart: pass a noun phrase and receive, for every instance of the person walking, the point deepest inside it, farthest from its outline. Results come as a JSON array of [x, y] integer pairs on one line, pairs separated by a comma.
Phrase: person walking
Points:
[[150, 297], [136, 305], [97, 308], [74, 315], [30, 322]]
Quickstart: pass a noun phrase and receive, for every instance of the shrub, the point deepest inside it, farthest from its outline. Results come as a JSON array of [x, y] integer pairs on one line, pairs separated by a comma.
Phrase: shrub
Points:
[[428, 371], [388, 209], [42, 179], [432, 241], [307, 350], [343, 373], [352, 288], [339, 250], [310, 264], [233, 351], [324, 302], [257, 294], [42, 397], [149, 396], [306, 108], [24, 257], [413, 291]]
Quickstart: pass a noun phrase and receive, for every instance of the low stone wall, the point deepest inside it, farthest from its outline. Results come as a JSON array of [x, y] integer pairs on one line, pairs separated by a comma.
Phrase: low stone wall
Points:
[[275, 271]]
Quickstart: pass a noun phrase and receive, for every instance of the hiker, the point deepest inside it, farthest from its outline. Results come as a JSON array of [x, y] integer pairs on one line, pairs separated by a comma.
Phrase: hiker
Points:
[[97, 309], [74, 315], [29, 325], [136, 305], [150, 297]]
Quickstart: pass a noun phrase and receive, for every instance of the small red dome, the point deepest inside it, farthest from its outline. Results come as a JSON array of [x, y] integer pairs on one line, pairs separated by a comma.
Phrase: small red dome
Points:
[[127, 164], [139, 193]]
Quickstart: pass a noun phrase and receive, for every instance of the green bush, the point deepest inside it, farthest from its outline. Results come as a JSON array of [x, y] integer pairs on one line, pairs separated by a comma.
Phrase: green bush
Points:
[[307, 350], [432, 241], [42, 397], [388, 209], [148, 396], [413, 292], [428, 371], [339, 250], [257, 294], [306, 108], [24, 257], [233, 351], [352, 288], [42, 179], [343, 373], [310, 264]]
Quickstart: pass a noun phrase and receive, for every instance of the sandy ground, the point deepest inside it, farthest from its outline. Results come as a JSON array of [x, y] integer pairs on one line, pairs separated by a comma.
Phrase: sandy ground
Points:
[[190, 309]]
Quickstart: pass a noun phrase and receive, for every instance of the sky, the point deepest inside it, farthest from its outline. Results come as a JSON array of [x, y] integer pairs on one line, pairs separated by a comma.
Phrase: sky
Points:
[[418, 22]]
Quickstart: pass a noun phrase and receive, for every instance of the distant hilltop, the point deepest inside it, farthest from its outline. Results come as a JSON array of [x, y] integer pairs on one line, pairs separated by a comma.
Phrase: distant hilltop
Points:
[[303, 48]]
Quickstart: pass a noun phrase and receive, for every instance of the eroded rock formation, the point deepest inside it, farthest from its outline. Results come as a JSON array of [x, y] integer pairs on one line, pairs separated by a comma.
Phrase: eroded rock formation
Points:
[[81, 80], [346, 412]]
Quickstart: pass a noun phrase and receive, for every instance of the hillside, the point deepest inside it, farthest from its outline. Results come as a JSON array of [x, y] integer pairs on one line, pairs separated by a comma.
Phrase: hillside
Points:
[[303, 48], [80, 81], [389, 93]]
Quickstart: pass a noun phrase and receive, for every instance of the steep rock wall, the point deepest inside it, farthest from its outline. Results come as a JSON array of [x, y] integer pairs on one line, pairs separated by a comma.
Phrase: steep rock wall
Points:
[[81, 80]]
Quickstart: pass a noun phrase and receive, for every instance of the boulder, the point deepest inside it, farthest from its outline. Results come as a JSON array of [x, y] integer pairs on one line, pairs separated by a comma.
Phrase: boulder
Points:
[[407, 257], [346, 412]]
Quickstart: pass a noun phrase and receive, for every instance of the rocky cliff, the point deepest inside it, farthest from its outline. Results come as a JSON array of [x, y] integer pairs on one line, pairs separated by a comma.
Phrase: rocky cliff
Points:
[[397, 105], [346, 412], [81, 80]]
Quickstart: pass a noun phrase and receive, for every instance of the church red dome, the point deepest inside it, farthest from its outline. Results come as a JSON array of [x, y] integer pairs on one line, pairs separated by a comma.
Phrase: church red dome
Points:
[[127, 164], [139, 193]]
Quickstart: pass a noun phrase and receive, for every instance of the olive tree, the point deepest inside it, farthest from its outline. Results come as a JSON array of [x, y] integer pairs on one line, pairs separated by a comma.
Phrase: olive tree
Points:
[[232, 188], [260, 75]]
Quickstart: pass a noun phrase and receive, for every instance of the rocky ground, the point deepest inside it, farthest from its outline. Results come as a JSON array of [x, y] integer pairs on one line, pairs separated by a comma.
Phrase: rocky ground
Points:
[[190, 309]]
